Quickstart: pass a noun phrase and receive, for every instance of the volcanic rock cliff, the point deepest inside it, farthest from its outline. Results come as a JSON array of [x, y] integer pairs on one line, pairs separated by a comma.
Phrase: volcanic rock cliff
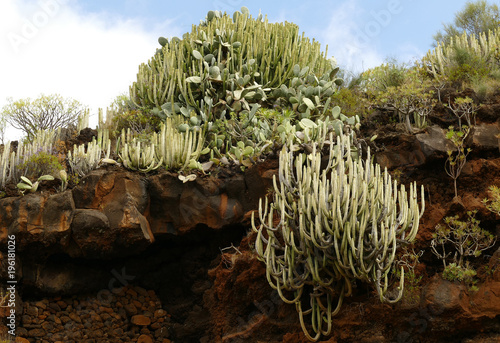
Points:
[[128, 257]]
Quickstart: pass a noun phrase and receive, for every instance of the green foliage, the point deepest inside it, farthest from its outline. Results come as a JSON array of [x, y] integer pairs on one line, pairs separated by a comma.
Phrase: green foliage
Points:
[[243, 138], [493, 204], [27, 185], [468, 240], [45, 112], [466, 237], [328, 227], [247, 137], [352, 102], [476, 17], [486, 89], [30, 159], [465, 66], [464, 108], [466, 274], [411, 96], [379, 79], [124, 115], [136, 120], [40, 163]]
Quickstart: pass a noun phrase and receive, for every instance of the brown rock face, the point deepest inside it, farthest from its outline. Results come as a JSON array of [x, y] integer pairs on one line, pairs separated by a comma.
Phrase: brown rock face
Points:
[[445, 296], [91, 234], [82, 255], [184, 205], [122, 198], [484, 136], [434, 141], [177, 207], [37, 220]]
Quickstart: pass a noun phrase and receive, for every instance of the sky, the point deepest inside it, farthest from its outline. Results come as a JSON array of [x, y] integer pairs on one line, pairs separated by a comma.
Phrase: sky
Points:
[[91, 50]]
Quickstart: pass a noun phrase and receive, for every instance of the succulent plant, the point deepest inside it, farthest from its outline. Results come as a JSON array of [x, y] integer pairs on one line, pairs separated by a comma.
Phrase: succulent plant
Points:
[[82, 160], [137, 156], [64, 179], [227, 64], [484, 46], [27, 185], [42, 142], [176, 148], [327, 227]]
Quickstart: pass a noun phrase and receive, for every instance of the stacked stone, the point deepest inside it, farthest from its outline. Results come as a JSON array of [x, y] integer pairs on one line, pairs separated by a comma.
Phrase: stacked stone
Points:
[[127, 314]]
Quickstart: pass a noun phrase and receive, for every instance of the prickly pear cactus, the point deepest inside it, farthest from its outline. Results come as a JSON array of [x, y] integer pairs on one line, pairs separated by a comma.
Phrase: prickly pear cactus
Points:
[[226, 64]]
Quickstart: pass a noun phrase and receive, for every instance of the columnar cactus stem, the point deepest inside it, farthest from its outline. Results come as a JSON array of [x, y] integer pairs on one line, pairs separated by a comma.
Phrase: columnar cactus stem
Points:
[[175, 148], [82, 160], [484, 47]]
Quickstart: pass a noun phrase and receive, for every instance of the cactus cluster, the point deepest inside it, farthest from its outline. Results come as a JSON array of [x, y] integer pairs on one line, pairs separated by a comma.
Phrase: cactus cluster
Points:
[[227, 64], [137, 155], [485, 47], [170, 148], [330, 226], [13, 164], [177, 149], [85, 159]]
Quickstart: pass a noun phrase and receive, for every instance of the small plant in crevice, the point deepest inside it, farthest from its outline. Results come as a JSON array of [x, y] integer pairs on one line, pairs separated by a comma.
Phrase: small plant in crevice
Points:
[[489, 271], [41, 163], [456, 159], [27, 185], [466, 274], [464, 108], [457, 241]]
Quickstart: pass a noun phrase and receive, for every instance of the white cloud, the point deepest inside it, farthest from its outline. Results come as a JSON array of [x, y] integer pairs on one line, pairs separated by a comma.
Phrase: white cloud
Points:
[[409, 52], [350, 43], [47, 47]]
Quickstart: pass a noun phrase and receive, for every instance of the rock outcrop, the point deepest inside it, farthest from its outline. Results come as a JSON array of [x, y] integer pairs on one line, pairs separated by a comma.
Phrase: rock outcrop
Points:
[[128, 257]]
